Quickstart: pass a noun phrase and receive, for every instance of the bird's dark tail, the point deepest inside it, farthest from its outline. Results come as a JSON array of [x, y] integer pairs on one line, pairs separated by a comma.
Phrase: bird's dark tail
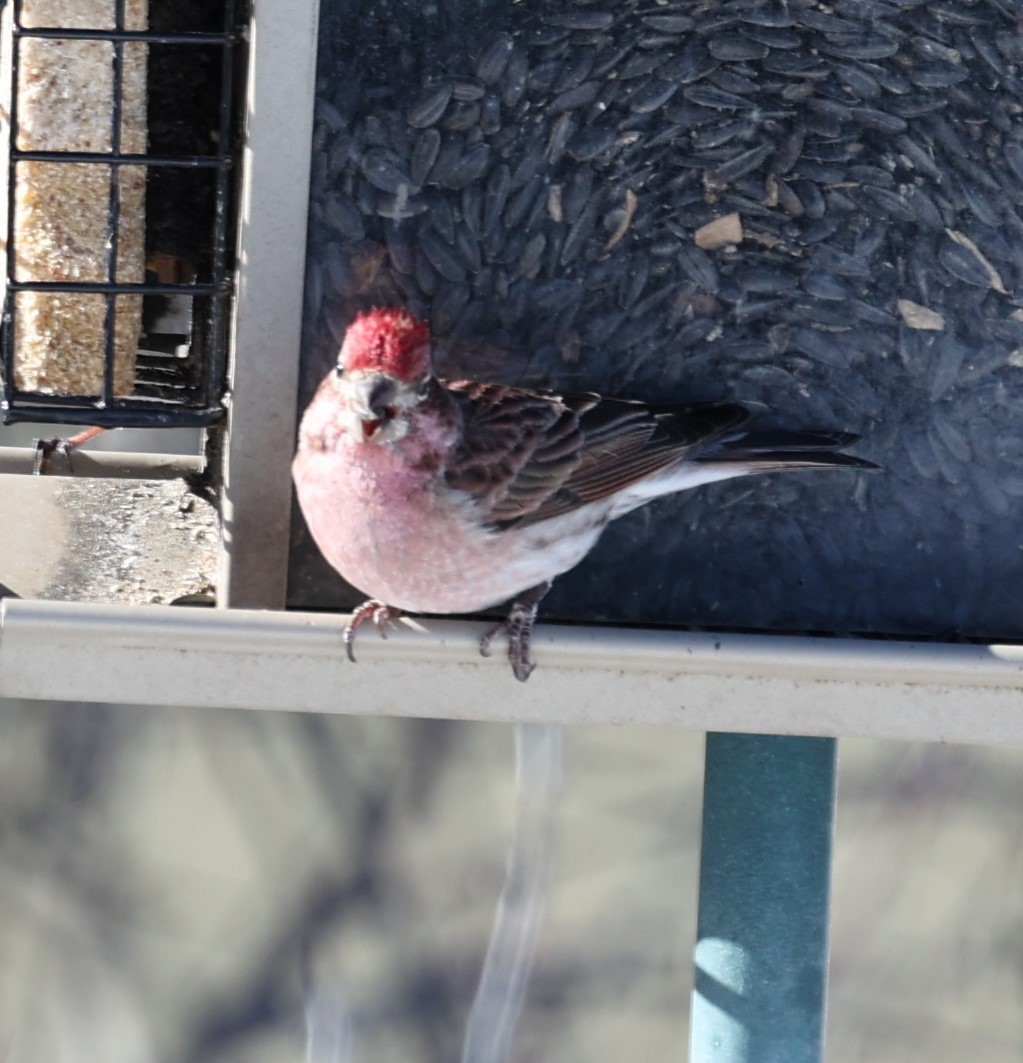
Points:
[[769, 451]]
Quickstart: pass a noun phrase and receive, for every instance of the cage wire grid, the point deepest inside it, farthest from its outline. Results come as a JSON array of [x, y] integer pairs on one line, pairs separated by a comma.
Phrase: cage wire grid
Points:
[[171, 391]]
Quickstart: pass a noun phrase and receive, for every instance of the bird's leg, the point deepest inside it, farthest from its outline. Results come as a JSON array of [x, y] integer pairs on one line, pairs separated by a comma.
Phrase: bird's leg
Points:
[[46, 448], [382, 615], [518, 626]]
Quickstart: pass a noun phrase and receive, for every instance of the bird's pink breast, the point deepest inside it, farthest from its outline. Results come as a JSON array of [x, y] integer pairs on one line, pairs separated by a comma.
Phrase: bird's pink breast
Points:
[[399, 535]]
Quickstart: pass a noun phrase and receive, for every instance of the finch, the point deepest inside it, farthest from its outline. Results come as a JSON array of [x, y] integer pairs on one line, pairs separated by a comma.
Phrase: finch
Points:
[[437, 496]]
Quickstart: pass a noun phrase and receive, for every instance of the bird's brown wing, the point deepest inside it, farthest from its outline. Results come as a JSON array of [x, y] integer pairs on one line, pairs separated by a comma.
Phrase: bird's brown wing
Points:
[[527, 456]]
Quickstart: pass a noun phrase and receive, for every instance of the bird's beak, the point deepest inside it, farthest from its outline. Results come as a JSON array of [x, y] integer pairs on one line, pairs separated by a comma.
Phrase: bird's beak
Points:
[[373, 397], [374, 403]]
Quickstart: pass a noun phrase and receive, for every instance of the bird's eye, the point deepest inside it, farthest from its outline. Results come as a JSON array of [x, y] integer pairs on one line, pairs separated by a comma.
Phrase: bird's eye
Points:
[[424, 387]]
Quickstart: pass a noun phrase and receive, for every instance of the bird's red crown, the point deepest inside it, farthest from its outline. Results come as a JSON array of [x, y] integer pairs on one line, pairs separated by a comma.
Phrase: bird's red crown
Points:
[[387, 341]]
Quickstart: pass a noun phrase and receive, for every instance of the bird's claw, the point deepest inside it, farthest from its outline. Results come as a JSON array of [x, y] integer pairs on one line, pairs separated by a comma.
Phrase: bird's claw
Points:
[[518, 626], [382, 615], [45, 449], [518, 644]]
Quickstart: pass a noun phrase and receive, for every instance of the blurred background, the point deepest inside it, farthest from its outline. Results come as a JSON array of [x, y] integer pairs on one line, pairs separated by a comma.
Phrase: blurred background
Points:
[[185, 886]]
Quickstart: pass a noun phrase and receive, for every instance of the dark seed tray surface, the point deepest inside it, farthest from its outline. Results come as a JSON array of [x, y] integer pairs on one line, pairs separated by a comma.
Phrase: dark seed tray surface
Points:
[[531, 177]]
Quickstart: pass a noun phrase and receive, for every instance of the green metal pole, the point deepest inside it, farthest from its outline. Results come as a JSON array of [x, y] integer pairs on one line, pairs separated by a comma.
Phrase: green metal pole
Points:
[[762, 933]]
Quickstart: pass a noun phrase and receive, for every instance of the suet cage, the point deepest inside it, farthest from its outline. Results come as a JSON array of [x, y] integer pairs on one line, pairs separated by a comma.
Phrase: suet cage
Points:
[[121, 169]]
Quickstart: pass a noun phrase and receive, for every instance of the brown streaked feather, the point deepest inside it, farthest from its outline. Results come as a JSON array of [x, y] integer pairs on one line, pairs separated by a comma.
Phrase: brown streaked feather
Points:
[[527, 456]]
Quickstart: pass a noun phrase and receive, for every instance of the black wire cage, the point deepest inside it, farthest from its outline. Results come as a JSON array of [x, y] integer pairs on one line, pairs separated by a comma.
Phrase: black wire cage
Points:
[[171, 307]]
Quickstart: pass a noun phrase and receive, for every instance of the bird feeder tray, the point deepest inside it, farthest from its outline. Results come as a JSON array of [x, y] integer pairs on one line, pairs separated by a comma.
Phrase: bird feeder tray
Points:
[[816, 213]]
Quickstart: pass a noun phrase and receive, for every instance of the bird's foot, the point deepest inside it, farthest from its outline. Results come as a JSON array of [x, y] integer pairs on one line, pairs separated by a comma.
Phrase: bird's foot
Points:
[[518, 626], [46, 448], [383, 617]]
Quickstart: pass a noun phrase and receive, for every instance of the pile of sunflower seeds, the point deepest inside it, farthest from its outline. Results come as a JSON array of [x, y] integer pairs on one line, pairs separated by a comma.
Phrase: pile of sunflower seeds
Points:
[[815, 207]]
